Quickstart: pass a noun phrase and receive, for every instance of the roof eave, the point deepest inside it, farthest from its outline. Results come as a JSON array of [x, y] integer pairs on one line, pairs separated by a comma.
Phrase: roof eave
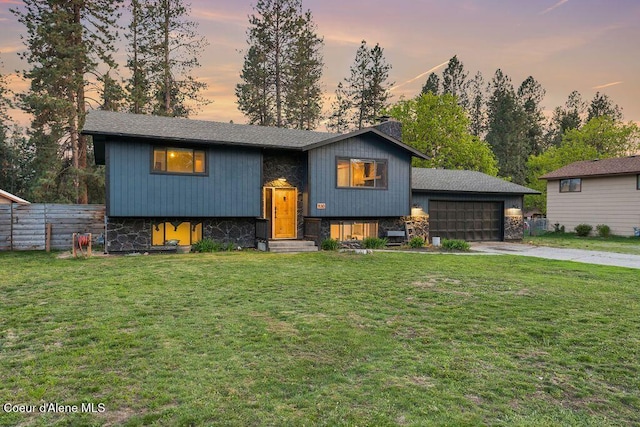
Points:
[[359, 132], [192, 141], [599, 175], [509, 193]]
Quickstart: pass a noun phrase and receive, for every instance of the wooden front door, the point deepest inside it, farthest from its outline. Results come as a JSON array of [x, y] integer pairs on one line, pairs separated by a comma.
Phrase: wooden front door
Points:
[[281, 207]]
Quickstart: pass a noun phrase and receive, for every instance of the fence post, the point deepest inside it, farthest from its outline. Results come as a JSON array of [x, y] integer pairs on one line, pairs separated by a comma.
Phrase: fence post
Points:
[[47, 241], [11, 230]]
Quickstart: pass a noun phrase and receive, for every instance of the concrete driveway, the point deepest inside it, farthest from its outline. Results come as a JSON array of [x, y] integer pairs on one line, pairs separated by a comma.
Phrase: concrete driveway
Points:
[[577, 255]]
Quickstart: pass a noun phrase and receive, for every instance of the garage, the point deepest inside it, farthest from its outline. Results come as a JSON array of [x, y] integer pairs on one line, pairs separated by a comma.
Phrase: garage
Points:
[[469, 205], [470, 221]]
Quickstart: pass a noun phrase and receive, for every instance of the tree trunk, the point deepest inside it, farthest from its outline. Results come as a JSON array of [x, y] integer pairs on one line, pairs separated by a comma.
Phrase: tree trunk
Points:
[[80, 141], [167, 70]]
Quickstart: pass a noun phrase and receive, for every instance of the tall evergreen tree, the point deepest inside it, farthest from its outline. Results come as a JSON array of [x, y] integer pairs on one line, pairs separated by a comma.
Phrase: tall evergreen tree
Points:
[[368, 85], [454, 80], [507, 129], [255, 98], [282, 67], [565, 118], [66, 41], [112, 95], [476, 107], [137, 86], [602, 105], [303, 105], [432, 85], [530, 95], [339, 119], [163, 52]]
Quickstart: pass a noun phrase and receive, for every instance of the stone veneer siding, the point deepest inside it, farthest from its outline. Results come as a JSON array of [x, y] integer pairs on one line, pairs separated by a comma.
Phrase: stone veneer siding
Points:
[[513, 227], [134, 234]]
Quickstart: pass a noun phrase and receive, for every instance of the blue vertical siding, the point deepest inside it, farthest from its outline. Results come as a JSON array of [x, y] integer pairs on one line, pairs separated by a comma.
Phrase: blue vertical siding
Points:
[[359, 202], [231, 188]]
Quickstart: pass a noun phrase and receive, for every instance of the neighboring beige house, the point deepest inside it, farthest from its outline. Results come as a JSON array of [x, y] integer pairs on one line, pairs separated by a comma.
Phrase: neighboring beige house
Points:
[[6, 198], [596, 192]]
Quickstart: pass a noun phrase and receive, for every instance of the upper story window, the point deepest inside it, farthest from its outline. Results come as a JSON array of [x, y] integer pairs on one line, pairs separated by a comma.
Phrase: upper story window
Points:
[[179, 160], [572, 185], [637, 182], [362, 173]]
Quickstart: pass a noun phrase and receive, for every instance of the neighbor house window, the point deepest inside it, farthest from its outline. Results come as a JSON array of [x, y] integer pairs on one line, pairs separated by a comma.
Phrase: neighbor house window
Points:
[[361, 173], [353, 230], [637, 182], [573, 185], [178, 160], [185, 233]]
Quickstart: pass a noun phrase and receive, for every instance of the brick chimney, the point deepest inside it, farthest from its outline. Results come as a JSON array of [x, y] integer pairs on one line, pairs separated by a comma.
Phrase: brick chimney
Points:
[[391, 127]]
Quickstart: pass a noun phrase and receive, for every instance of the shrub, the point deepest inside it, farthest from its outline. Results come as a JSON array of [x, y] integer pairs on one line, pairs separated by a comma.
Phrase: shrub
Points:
[[210, 245], [603, 230], [330, 245], [583, 230], [374, 243], [416, 242], [557, 228], [455, 245], [204, 245]]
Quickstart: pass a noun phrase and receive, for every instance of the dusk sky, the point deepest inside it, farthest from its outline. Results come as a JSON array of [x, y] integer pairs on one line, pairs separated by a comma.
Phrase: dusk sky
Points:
[[583, 45]]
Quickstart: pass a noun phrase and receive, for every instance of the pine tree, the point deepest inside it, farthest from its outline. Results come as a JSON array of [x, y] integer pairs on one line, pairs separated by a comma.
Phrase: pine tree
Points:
[[432, 85], [282, 67], [453, 80], [339, 119], [137, 86], [565, 118], [378, 92], [530, 95], [476, 108], [66, 42], [255, 98], [112, 94], [602, 105], [303, 104], [163, 51], [368, 85], [507, 129]]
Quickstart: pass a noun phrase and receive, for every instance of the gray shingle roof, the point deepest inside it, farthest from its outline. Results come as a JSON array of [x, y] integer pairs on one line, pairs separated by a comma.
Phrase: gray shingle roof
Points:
[[618, 166], [179, 129], [446, 180], [110, 123]]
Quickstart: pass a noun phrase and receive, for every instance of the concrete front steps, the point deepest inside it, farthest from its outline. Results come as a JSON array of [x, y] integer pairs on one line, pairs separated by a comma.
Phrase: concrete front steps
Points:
[[292, 246]]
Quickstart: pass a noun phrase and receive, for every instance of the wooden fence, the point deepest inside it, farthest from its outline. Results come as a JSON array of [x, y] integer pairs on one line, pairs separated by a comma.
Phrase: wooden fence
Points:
[[35, 226]]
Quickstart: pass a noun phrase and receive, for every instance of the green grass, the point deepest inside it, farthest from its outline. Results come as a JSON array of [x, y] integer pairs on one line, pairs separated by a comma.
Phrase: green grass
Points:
[[332, 339], [618, 244]]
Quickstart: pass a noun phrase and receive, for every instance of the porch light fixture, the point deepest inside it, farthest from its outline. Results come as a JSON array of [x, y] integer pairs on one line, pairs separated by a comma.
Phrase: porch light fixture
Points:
[[514, 210], [417, 211]]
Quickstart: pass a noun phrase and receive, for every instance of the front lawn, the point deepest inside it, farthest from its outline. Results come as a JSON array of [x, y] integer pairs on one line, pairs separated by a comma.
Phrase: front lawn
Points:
[[319, 339], [618, 244]]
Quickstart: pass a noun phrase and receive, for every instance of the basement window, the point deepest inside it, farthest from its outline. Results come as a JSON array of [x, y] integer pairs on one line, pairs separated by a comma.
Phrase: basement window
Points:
[[572, 185], [186, 233], [353, 230]]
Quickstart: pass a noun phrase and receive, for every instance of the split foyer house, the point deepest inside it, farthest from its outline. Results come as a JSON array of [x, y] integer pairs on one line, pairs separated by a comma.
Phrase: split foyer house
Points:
[[179, 179], [596, 192]]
